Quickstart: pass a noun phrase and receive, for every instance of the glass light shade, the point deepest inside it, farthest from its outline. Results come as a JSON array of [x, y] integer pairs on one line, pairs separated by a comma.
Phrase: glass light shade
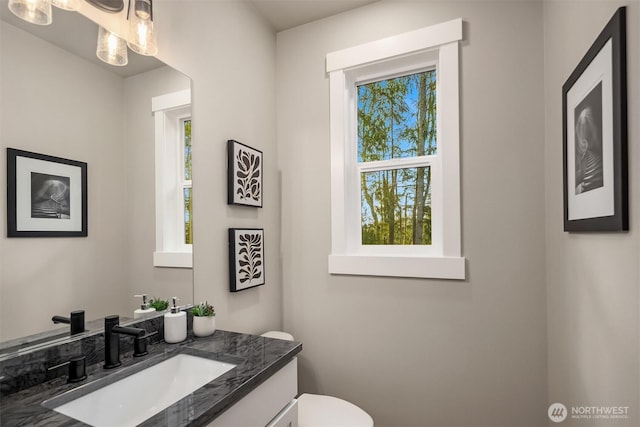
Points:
[[111, 48], [65, 4], [34, 11], [142, 38], [142, 8]]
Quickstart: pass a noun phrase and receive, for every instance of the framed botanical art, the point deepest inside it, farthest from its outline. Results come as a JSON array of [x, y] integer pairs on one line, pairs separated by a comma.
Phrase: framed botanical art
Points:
[[46, 195], [246, 258], [244, 175], [594, 103]]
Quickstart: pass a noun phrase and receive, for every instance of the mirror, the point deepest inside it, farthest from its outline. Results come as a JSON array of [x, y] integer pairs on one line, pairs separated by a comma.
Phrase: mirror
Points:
[[58, 99]]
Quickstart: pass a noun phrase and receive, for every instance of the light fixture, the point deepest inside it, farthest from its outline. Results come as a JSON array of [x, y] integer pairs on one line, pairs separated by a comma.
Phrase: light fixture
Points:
[[142, 37], [111, 48], [34, 11], [65, 4]]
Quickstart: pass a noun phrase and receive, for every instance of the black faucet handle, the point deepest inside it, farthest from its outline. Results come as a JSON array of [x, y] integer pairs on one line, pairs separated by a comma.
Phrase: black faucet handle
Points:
[[77, 369], [140, 345]]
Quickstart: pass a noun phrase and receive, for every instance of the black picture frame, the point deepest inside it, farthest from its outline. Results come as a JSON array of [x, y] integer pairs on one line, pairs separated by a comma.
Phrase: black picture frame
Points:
[[594, 139], [246, 258], [46, 195], [244, 175]]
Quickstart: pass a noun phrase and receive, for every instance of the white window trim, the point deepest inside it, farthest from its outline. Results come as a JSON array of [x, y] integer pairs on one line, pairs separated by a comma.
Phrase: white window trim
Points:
[[413, 50], [169, 110]]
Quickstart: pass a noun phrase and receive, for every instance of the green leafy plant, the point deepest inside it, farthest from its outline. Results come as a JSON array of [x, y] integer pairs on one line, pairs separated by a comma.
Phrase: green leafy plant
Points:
[[204, 309], [159, 304]]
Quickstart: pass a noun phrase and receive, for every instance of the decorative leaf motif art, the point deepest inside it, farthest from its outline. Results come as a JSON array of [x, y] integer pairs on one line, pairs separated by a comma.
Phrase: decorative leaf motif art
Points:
[[246, 258], [248, 176], [249, 257], [244, 175]]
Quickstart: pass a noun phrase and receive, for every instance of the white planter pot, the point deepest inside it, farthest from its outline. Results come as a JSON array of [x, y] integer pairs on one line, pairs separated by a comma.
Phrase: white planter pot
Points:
[[204, 326]]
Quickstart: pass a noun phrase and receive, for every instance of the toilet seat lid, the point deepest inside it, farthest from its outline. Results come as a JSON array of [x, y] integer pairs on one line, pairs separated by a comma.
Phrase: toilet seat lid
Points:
[[278, 335], [327, 411]]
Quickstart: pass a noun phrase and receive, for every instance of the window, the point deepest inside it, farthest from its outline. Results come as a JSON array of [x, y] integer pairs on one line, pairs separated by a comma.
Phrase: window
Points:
[[395, 156], [396, 122], [187, 190], [174, 193]]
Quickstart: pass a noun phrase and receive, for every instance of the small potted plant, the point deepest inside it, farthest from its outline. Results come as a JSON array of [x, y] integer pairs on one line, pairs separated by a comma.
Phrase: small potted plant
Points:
[[159, 304], [204, 319]]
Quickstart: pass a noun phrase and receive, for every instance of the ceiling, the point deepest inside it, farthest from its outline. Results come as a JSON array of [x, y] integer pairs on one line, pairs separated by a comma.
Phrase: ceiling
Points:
[[285, 14], [281, 14]]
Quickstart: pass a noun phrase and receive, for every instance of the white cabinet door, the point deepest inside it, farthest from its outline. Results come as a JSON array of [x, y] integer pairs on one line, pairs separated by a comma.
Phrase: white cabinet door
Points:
[[264, 402]]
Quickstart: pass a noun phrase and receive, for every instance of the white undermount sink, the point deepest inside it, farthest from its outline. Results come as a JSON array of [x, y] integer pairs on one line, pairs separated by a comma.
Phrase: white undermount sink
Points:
[[135, 398]]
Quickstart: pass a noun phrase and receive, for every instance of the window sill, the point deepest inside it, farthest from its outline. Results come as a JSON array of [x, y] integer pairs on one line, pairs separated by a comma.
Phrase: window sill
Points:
[[173, 259], [398, 266]]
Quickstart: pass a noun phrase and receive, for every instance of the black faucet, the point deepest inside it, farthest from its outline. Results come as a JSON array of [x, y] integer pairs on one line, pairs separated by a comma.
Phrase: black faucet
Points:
[[76, 320], [112, 340]]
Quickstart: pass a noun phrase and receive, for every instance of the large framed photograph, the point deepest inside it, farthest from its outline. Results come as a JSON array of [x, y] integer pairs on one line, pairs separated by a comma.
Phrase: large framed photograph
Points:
[[246, 258], [244, 175], [46, 195], [594, 102]]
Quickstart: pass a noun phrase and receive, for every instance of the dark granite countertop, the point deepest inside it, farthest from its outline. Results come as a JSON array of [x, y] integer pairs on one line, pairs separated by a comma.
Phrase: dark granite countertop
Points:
[[256, 359]]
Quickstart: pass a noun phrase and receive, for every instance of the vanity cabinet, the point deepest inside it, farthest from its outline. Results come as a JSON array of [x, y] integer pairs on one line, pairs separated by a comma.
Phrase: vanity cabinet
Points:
[[271, 404]]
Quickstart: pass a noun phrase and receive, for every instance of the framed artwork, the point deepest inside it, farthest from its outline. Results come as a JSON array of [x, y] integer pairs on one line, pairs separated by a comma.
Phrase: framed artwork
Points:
[[594, 119], [46, 196], [246, 258], [244, 175]]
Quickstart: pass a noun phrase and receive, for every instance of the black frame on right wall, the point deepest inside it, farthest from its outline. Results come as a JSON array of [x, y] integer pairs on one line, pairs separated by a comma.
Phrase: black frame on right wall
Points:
[[594, 121]]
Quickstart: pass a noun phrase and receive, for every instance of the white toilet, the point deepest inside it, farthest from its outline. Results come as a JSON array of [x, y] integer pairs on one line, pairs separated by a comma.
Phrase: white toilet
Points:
[[316, 410]]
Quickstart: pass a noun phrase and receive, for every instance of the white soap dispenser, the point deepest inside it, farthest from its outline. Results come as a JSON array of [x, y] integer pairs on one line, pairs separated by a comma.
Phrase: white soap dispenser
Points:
[[175, 324], [144, 309]]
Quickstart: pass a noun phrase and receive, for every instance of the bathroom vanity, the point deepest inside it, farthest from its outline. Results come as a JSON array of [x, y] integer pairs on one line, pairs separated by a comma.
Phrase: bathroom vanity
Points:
[[257, 386]]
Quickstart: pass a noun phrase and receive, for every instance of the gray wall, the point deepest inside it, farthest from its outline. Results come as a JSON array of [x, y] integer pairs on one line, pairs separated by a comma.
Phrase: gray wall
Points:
[[592, 278], [426, 352], [44, 97], [229, 52]]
